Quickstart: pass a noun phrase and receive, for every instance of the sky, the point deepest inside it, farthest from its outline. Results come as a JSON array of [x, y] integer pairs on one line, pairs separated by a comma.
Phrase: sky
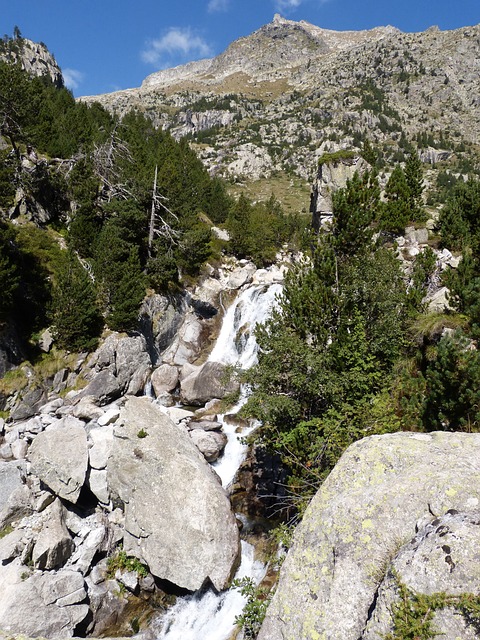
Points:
[[107, 45]]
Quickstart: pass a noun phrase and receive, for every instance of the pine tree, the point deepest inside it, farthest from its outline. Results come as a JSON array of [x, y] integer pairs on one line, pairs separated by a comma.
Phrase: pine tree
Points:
[[396, 210], [414, 179], [77, 320]]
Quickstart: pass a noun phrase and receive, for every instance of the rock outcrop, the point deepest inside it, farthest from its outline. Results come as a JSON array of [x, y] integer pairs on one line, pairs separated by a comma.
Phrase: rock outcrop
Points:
[[178, 519], [382, 491]]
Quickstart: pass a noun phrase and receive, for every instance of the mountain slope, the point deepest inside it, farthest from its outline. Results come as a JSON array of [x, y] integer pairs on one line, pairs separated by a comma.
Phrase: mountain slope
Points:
[[279, 98]]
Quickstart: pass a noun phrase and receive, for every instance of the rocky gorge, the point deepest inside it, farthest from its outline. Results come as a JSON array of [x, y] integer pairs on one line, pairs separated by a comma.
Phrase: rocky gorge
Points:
[[104, 473]]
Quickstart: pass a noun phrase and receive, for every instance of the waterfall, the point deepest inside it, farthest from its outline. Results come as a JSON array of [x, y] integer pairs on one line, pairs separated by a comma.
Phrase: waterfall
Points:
[[236, 342], [209, 615]]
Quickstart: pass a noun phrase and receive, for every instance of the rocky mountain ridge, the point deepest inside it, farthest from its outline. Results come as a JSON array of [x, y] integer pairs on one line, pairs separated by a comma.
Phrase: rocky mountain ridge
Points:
[[33, 57], [278, 99]]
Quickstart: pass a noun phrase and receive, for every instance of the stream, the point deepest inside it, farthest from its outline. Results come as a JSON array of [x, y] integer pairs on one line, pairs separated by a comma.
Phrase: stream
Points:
[[207, 615]]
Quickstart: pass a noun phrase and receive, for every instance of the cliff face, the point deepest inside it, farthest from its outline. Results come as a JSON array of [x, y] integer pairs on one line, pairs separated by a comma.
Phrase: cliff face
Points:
[[34, 57]]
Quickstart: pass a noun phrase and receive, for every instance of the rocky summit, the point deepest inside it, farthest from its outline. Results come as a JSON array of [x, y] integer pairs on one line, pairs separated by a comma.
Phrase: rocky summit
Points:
[[281, 97]]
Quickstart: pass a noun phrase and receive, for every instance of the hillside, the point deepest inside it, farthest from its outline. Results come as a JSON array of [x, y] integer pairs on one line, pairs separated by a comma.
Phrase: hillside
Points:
[[279, 98]]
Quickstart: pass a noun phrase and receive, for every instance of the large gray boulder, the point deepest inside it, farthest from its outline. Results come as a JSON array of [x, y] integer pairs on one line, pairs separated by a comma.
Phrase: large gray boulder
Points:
[[59, 457], [381, 490], [54, 545], [441, 559], [48, 604], [211, 380], [164, 378], [178, 518], [15, 495]]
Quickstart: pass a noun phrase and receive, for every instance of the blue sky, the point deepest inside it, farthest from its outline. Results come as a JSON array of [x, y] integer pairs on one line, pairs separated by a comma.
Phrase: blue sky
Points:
[[105, 45]]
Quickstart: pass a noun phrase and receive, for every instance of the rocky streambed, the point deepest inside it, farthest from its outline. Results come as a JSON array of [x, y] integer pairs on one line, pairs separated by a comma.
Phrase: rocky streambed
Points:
[[108, 504]]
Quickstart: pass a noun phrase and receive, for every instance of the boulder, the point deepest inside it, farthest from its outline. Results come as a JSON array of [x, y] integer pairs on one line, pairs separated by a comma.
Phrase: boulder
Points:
[[208, 382], [54, 544], [380, 491], [439, 301], [178, 519], [43, 604], [59, 457], [15, 496], [120, 365], [29, 405], [210, 443], [164, 378], [102, 440], [441, 558]]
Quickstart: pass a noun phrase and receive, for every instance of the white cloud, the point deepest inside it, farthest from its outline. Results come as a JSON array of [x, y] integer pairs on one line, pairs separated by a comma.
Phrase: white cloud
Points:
[[72, 78], [176, 43], [287, 5], [218, 5]]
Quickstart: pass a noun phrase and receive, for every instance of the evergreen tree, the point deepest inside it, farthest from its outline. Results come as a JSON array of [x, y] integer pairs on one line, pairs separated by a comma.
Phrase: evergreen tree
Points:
[[414, 180], [9, 276], [396, 210], [76, 317]]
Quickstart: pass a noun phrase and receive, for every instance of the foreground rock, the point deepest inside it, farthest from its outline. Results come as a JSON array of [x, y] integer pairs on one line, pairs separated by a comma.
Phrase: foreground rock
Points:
[[178, 518], [41, 604], [59, 458], [441, 559], [382, 490]]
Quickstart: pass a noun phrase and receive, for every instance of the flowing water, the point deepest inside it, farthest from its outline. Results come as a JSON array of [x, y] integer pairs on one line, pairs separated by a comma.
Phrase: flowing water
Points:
[[208, 615]]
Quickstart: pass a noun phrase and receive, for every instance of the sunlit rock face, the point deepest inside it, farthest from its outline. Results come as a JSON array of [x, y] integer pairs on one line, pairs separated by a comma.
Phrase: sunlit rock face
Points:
[[382, 491]]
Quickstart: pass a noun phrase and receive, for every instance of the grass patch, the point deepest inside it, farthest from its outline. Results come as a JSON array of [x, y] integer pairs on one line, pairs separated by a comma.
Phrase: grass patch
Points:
[[123, 562]]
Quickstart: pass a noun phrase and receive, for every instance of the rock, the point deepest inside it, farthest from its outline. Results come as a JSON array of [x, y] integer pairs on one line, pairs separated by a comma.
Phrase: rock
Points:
[[102, 440], [59, 457], [52, 406], [188, 342], [54, 544], [43, 604], [210, 443], [85, 552], [11, 546], [205, 425], [331, 177], [178, 518], [240, 276], [160, 318], [29, 405], [208, 382], [19, 449], [374, 498], [110, 416], [98, 484], [439, 301], [441, 558], [86, 409], [46, 341], [164, 378], [176, 414], [103, 389], [119, 366], [12, 477]]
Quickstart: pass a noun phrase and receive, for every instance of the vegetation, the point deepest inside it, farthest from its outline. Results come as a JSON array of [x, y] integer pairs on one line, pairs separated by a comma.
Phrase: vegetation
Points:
[[123, 562], [413, 613], [253, 614], [346, 354]]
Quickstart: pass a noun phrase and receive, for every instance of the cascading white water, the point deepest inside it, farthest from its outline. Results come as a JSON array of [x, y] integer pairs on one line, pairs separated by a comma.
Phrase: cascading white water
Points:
[[236, 343], [208, 615]]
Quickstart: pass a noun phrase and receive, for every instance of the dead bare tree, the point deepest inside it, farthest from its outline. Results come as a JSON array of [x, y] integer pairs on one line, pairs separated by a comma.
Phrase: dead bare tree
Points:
[[159, 226], [106, 159]]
